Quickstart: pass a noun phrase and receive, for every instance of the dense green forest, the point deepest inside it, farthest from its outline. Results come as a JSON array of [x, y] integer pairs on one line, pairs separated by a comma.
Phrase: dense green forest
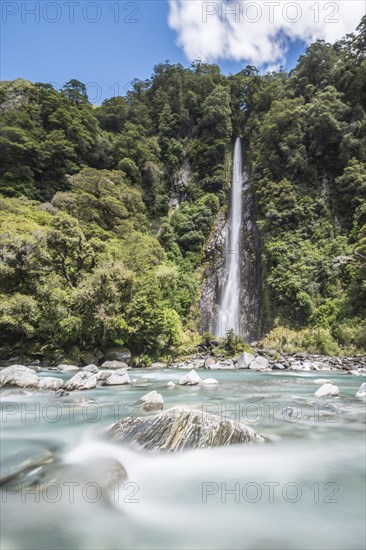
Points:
[[94, 254]]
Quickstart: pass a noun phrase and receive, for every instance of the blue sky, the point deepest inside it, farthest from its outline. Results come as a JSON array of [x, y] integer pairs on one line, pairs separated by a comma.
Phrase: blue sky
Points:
[[54, 41]]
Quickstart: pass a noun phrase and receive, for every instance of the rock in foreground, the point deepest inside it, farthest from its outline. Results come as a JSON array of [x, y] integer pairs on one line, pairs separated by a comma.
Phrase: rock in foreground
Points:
[[178, 429], [327, 390], [20, 376]]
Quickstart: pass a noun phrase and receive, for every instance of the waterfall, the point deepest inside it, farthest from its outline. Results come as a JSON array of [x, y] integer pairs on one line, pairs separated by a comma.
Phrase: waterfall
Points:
[[229, 309]]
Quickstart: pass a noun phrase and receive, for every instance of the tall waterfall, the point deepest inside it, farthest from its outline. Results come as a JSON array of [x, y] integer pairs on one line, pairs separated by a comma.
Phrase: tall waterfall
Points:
[[229, 309]]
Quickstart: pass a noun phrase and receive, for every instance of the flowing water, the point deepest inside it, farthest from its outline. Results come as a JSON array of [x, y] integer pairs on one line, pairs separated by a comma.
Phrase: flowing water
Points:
[[302, 489], [229, 313]]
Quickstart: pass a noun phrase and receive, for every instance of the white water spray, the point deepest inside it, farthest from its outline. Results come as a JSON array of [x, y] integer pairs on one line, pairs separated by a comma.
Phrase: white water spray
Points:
[[229, 313]]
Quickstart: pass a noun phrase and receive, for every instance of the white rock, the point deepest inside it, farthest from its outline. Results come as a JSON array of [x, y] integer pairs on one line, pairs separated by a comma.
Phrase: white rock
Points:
[[327, 390], [50, 383], [67, 368], [103, 375], [118, 379], [158, 365], [114, 365], [209, 363], [171, 384], [244, 360], [209, 381], [190, 379], [355, 372], [18, 375], [152, 401], [91, 368], [321, 381], [81, 381], [259, 363], [361, 392]]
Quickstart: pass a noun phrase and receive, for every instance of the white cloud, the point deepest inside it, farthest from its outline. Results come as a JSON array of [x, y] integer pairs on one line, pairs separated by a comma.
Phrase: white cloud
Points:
[[258, 31]]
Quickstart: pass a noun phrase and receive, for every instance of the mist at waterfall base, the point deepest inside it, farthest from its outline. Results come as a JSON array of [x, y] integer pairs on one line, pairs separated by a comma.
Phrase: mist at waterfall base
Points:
[[215, 498], [229, 309]]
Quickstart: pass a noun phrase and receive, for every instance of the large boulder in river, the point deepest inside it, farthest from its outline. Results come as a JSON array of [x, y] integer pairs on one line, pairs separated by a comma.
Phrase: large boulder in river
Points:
[[50, 383], [91, 368], [190, 379], [180, 428], [244, 360], [327, 390], [259, 363], [18, 375], [118, 378], [114, 365], [152, 401], [81, 381]]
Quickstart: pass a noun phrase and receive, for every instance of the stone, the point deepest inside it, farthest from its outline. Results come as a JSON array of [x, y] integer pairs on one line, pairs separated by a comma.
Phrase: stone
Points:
[[209, 382], [122, 355], [67, 368], [114, 365], [361, 392], [103, 375], [278, 366], [118, 379], [158, 365], [91, 368], [152, 401], [81, 381], [259, 363], [171, 384], [18, 375], [320, 381], [209, 363], [244, 360], [50, 383], [190, 379], [179, 428], [327, 390], [22, 461]]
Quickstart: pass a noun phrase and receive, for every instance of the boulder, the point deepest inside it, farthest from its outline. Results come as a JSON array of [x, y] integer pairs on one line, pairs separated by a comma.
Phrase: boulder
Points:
[[122, 355], [67, 368], [152, 401], [81, 381], [209, 363], [190, 379], [114, 365], [361, 392], [179, 428], [320, 381], [171, 384], [18, 375], [120, 378], [327, 390], [103, 375], [61, 393], [259, 363], [244, 360], [91, 368], [209, 382], [50, 383]]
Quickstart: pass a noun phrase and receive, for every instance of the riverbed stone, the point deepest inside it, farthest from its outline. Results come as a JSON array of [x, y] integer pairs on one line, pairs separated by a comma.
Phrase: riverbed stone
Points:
[[259, 363], [361, 392], [244, 360], [327, 390], [114, 365], [91, 368], [152, 401], [209, 382], [179, 428], [119, 378], [20, 376], [190, 379], [81, 381], [158, 365], [50, 383], [209, 363]]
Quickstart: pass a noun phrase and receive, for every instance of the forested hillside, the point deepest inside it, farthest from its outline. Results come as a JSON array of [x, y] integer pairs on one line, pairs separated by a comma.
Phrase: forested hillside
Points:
[[94, 251]]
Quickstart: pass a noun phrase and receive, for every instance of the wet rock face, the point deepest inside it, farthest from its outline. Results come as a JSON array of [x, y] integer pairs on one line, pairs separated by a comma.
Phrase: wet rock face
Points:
[[178, 429]]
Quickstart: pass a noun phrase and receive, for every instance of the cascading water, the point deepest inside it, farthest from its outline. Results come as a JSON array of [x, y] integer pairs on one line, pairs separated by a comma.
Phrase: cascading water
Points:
[[229, 312]]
